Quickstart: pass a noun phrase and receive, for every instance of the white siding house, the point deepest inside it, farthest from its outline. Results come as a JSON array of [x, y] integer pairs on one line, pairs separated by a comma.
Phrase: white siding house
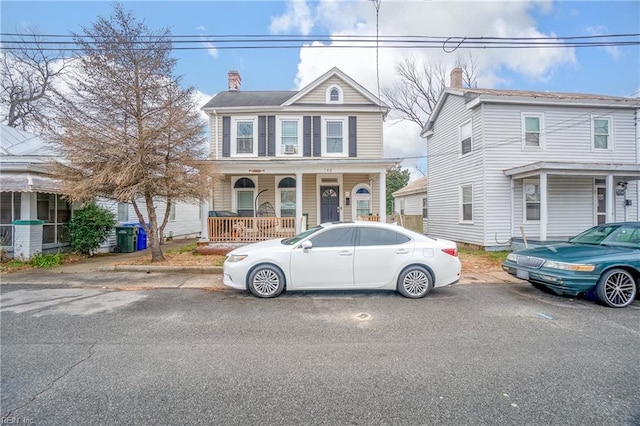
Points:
[[506, 163], [34, 212], [412, 200]]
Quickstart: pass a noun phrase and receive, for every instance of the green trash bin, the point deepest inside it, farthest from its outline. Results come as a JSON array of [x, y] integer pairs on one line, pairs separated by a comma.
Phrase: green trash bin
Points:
[[127, 238]]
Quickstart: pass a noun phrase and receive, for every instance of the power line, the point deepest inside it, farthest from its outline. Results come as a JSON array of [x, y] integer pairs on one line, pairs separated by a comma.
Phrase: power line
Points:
[[70, 43]]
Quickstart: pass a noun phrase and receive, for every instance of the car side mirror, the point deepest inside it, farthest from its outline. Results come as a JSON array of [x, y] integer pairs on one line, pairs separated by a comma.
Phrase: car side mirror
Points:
[[306, 245]]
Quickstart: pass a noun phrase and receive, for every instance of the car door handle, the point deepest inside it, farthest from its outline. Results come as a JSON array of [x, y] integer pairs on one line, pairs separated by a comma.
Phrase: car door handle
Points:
[[345, 253], [402, 251]]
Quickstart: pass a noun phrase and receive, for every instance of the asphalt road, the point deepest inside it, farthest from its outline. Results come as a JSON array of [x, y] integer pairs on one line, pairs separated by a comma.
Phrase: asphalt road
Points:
[[474, 354]]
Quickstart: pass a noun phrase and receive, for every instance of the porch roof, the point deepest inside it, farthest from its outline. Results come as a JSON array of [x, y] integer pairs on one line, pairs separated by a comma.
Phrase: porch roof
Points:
[[626, 171], [28, 182], [304, 165]]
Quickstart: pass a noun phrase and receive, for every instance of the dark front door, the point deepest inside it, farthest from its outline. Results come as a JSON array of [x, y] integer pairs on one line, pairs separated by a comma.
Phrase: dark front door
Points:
[[329, 204]]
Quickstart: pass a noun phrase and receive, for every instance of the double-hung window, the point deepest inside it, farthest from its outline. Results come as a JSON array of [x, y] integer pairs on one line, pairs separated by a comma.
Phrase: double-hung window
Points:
[[424, 208], [123, 212], [532, 130], [466, 203], [335, 137], [601, 130], [244, 136], [465, 138], [532, 199], [289, 131]]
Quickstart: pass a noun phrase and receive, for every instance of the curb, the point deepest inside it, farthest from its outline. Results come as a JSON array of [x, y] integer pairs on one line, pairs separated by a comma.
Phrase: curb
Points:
[[168, 269]]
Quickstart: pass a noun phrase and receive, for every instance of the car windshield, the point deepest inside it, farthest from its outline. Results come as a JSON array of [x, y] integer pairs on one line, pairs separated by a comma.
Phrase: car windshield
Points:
[[611, 235], [301, 236]]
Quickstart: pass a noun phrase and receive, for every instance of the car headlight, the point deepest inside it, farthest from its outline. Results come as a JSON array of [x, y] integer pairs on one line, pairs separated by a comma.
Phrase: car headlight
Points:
[[569, 266], [235, 257], [512, 257]]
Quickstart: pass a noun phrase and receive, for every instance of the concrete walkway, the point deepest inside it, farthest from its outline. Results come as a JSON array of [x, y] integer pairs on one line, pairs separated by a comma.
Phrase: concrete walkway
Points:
[[107, 271]]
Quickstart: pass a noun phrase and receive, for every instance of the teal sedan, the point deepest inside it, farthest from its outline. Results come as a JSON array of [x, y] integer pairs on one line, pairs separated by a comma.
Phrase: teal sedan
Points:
[[604, 259]]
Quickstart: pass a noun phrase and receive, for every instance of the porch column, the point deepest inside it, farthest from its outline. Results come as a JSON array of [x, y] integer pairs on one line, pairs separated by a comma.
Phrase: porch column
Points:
[[204, 220], [610, 192], [383, 197], [543, 206], [299, 202]]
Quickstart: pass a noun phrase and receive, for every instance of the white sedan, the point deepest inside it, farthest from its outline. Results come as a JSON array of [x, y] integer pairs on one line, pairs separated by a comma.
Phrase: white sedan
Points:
[[345, 255]]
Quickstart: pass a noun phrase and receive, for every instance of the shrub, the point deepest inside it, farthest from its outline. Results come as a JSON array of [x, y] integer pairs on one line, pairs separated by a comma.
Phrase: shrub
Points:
[[47, 260], [90, 227]]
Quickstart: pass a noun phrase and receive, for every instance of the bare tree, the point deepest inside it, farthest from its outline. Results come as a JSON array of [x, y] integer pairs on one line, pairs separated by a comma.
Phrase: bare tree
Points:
[[128, 130], [28, 69], [420, 84]]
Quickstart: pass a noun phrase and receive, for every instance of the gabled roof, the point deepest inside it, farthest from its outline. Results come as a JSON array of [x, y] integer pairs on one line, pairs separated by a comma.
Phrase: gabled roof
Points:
[[474, 97], [279, 98], [331, 73], [418, 186]]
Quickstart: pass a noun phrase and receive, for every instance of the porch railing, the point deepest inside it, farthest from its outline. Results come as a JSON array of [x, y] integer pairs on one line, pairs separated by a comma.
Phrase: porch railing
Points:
[[370, 218], [250, 229]]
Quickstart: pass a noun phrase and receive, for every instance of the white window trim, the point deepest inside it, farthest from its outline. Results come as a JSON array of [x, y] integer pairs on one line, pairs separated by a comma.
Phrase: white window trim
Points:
[[172, 213], [278, 191], [610, 146], [461, 210], [345, 136], [541, 139], [340, 94], [469, 122], [524, 199], [279, 150], [354, 199], [126, 211], [234, 136], [234, 190]]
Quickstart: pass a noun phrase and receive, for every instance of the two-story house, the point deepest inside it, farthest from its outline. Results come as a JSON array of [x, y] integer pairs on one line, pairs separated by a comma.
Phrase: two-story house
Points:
[[506, 165], [300, 158]]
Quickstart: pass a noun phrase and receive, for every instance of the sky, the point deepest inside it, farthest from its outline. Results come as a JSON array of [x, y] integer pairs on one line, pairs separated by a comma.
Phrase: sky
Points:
[[610, 70]]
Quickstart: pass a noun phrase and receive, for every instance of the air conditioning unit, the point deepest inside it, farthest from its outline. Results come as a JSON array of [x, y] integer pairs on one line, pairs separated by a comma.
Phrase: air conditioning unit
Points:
[[290, 149]]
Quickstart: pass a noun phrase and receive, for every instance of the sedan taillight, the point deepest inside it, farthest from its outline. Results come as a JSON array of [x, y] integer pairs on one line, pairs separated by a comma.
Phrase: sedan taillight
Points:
[[451, 251]]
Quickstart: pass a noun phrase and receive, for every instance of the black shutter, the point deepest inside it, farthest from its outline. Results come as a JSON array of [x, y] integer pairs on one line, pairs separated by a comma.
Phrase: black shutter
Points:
[[226, 136], [317, 132], [353, 136], [306, 136], [262, 135], [271, 136]]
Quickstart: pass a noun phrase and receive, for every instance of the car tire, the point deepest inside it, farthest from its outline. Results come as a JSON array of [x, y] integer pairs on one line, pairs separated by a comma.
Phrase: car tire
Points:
[[415, 282], [616, 288], [266, 281]]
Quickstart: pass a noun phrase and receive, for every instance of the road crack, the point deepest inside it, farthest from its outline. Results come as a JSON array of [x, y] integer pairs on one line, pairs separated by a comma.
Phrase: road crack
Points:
[[54, 381]]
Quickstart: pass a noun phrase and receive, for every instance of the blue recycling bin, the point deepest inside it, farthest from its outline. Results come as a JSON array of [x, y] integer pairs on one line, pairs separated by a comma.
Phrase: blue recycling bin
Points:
[[142, 238]]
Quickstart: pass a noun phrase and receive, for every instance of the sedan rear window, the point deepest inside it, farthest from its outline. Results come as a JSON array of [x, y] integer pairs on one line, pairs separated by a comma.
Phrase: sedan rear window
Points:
[[380, 237]]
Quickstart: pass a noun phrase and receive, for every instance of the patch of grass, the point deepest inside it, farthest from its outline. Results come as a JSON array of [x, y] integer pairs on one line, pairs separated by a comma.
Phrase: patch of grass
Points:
[[188, 248], [495, 256]]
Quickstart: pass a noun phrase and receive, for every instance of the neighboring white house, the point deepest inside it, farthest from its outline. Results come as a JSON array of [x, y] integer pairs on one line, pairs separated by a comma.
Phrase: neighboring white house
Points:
[[315, 153], [549, 164], [33, 211], [412, 200]]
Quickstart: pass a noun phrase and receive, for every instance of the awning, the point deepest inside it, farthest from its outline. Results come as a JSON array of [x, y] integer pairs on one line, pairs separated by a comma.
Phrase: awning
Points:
[[28, 182], [624, 171]]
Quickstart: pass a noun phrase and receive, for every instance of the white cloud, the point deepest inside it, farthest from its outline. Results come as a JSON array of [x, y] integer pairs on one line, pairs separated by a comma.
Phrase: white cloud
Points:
[[211, 48], [296, 19], [433, 18], [613, 51]]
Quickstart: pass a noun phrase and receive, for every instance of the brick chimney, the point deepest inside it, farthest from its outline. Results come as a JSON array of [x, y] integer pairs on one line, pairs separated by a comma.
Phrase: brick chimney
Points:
[[456, 77], [234, 81]]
